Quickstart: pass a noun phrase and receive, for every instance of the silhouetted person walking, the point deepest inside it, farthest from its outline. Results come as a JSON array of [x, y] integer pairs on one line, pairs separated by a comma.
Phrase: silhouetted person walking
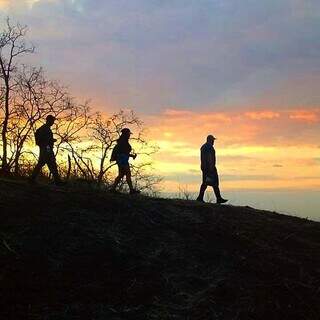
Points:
[[45, 141], [209, 171], [121, 154]]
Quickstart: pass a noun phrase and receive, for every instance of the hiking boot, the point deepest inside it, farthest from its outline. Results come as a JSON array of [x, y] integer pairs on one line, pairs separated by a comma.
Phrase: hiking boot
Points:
[[221, 200], [134, 191]]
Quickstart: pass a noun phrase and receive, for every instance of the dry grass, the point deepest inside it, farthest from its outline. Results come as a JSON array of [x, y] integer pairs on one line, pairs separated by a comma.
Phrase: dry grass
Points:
[[90, 255]]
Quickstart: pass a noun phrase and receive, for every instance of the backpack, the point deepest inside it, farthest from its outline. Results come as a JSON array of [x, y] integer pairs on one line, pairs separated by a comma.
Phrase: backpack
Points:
[[37, 137], [114, 154]]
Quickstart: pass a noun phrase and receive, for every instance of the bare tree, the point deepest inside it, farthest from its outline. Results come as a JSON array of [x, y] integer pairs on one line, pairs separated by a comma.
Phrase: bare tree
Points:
[[91, 158], [33, 98], [71, 128], [27, 97], [12, 46], [184, 192], [144, 178], [27, 107]]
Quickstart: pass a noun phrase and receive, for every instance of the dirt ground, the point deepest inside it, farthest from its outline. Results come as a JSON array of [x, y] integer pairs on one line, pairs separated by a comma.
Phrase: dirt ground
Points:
[[70, 253]]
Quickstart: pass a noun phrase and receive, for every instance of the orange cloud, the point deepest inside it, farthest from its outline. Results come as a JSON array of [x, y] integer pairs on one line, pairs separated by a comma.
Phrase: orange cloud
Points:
[[216, 117], [177, 113], [305, 115], [250, 144], [259, 115], [4, 3]]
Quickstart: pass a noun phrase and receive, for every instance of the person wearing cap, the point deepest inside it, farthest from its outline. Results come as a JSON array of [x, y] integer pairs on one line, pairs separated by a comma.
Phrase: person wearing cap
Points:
[[209, 171], [121, 154], [45, 141]]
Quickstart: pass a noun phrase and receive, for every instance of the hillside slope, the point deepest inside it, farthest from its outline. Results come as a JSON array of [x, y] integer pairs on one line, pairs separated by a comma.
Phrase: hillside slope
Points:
[[77, 254]]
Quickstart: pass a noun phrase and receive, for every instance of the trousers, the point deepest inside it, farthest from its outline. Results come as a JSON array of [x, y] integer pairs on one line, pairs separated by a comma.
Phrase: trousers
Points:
[[48, 158]]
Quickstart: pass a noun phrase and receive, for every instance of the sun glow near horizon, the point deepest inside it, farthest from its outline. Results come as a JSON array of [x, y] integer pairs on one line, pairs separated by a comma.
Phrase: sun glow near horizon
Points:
[[267, 124], [280, 153], [264, 150], [4, 4]]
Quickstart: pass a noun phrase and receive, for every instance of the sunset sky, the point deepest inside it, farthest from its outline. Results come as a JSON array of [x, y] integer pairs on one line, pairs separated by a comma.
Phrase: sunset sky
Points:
[[246, 71]]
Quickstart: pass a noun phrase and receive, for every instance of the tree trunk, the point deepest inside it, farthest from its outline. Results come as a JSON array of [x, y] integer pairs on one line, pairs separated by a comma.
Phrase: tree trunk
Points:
[[16, 163], [4, 166], [69, 168]]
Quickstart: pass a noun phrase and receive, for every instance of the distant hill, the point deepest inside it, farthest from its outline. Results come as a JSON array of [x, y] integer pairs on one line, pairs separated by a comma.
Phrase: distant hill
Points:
[[79, 254]]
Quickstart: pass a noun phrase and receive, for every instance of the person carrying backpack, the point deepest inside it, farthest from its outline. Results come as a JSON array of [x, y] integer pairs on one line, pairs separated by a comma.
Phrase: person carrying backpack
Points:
[[45, 141], [121, 154]]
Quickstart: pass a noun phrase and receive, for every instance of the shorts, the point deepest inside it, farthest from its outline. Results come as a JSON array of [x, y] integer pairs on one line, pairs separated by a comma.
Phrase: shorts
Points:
[[123, 160]]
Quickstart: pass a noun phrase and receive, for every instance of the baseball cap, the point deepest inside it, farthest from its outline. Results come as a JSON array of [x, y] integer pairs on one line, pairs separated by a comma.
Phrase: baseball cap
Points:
[[126, 131], [50, 117], [210, 136]]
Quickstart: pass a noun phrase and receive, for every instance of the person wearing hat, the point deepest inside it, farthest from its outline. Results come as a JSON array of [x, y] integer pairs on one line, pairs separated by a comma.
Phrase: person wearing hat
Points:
[[209, 171], [45, 141], [121, 154]]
